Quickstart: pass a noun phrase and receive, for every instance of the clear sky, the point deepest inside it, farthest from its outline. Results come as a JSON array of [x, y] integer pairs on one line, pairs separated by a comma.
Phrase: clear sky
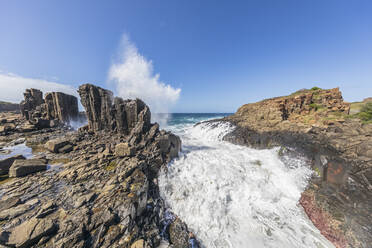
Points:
[[220, 54]]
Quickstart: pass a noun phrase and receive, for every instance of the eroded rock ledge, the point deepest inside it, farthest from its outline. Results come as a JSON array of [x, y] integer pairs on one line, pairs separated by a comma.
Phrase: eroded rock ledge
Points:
[[317, 124], [100, 192]]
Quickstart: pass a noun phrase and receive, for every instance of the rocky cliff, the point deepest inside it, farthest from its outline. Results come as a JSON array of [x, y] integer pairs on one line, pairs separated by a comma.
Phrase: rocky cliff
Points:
[[317, 123], [101, 186]]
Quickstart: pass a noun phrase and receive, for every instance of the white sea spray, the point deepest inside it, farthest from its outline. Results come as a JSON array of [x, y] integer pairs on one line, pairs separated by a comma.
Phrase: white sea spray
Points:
[[235, 196]]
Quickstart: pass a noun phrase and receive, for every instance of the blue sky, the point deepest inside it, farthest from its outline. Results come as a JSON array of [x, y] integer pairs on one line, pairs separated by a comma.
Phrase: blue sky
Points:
[[220, 54]]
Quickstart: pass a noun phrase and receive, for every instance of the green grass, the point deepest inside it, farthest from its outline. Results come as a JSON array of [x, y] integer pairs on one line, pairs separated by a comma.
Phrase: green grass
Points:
[[315, 106], [365, 113], [315, 88]]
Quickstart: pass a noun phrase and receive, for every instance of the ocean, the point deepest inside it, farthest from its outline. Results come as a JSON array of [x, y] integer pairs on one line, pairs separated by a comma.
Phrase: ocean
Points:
[[235, 196]]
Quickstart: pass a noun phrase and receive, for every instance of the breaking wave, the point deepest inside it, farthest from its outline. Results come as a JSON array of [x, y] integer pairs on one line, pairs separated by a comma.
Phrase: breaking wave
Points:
[[235, 196]]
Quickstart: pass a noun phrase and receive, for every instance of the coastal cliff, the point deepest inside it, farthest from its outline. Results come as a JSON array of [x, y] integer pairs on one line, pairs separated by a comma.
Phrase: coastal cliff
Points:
[[317, 123]]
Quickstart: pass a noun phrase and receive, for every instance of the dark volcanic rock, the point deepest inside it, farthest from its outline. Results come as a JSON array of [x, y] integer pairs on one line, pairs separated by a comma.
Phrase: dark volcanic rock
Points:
[[61, 106], [118, 115], [98, 106], [57, 106], [33, 99]]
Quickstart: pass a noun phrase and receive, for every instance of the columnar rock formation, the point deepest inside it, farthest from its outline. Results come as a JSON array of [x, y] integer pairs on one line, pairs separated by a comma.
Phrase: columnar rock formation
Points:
[[105, 194], [33, 99], [113, 114], [56, 106], [61, 106]]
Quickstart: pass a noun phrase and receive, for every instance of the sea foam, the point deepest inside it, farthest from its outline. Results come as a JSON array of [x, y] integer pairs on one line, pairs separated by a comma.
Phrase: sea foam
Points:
[[235, 196]]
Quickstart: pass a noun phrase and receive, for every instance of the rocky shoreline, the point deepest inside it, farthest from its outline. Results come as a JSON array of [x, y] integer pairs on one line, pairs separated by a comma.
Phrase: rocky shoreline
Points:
[[96, 187], [316, 123]]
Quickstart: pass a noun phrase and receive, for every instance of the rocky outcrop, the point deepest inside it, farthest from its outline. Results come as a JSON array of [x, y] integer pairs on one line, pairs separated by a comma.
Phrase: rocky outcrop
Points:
[[113, 114], [103, 193], [57, 107], [317, 123], [33, 99], [61, 106]]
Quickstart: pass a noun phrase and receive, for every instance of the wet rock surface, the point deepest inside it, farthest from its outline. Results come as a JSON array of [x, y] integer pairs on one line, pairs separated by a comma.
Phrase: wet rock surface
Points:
[[316, 123], [100, 192]]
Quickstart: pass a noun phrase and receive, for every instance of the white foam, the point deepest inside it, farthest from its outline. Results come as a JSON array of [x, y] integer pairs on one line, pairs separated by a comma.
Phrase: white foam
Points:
[[235, 196]]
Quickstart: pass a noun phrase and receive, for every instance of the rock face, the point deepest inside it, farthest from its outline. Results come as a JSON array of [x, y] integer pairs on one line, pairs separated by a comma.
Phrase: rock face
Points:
[[43, 113], [61, 106], [118, 115], [317, 123], [23, 167]]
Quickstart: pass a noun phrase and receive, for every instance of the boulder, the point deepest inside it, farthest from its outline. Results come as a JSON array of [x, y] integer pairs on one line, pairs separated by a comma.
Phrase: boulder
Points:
[[66, 149], [7, 162], [56, 144], [124, 150], [25, 167], [30, 232]]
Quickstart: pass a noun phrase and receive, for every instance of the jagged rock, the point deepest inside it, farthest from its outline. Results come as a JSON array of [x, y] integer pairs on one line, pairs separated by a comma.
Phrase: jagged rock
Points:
[[56, 106], [116, 115], [61, 106], [30, 232], [98, 106], [98, 197], [123, 150], [7, 162], [33, 98], [169, 144], [56, 144], [24, 167]]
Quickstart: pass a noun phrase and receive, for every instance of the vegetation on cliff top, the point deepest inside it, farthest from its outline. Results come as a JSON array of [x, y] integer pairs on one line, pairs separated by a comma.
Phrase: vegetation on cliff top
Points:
[[365, 113]]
